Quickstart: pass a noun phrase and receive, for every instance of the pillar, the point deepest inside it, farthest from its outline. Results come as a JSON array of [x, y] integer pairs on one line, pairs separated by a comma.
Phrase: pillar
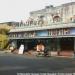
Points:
[[48, 44], [26, 45], [58, 46], [74, 46]]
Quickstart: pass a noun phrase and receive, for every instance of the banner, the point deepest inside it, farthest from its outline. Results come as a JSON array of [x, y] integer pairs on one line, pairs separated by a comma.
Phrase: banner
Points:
[[42, 33]]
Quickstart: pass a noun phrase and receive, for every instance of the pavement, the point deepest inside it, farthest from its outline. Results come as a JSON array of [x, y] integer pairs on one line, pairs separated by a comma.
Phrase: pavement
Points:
[[5, 51], [11, 64], [30, 54]]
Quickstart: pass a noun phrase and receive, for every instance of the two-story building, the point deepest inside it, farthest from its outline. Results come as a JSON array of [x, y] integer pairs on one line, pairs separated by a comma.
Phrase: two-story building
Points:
[[53, 26]]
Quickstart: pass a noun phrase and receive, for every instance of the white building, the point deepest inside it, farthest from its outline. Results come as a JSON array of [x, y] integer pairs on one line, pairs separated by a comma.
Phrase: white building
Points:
[[54, 26]]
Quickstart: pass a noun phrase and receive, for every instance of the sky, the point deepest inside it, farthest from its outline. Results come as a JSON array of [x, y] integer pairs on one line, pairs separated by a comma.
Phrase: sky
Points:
[[17, 10]]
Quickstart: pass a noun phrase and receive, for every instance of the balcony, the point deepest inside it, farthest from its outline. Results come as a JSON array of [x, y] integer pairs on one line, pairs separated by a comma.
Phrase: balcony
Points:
[[42, 27]]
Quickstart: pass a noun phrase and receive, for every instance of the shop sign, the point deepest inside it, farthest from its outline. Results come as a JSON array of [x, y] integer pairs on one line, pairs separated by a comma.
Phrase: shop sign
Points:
[[42, 33], [58, 32]]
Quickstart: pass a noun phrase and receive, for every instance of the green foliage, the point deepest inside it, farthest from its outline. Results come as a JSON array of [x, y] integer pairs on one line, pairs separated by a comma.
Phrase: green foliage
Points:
[[3, 38], [4, 31]]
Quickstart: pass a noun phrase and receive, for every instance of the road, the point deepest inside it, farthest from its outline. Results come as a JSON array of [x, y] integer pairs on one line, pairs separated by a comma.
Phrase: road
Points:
[[12, 64]]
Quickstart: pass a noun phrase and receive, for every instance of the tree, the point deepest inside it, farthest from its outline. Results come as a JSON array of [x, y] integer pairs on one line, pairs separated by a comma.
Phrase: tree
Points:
[[3, 37]]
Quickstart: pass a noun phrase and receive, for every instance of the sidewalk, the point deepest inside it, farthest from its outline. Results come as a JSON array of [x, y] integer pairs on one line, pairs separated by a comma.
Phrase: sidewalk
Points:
[[5, 51], [32, 54]]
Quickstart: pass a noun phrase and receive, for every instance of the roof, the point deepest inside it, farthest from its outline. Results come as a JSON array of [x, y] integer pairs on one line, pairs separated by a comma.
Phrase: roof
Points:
[[67, 4], [62, 5]]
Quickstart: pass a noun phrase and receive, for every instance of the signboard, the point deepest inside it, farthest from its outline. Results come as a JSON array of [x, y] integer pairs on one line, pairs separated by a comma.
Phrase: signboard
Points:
[[42, 33], [59, 32], [21, 49]]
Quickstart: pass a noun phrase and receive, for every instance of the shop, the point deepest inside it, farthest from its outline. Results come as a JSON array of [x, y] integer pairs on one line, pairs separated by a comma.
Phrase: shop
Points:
[[55, 40]]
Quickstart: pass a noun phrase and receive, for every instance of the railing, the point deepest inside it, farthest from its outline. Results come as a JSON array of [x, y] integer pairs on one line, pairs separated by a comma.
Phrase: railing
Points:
[[42, 27], [32, 25]]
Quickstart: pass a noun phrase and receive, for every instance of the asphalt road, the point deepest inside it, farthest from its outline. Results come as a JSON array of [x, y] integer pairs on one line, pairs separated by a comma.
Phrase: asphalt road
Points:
[[11, 64]]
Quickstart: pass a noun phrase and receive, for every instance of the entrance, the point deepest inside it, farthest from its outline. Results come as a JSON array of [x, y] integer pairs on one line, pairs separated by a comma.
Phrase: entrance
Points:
[[32, 44], [67, 46], [29, 44]]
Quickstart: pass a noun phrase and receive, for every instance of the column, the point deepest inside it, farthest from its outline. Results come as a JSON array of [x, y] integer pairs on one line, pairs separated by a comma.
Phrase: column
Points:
[[58, 46], [26, 45], [49, 44], [19, 24], [74, 46]]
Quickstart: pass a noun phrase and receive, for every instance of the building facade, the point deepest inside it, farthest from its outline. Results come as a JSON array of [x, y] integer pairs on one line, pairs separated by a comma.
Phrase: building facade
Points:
[[53, 26]]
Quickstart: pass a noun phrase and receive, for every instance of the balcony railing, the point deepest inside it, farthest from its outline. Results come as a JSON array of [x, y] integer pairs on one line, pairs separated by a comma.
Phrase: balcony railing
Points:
[[42, 27]]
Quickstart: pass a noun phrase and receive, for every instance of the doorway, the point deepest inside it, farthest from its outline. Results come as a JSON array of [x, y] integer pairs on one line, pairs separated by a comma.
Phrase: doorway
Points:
[[67, 44]]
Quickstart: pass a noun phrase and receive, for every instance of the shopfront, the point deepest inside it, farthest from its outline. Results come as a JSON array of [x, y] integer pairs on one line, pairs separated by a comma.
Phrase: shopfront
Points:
[[57, 40]]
